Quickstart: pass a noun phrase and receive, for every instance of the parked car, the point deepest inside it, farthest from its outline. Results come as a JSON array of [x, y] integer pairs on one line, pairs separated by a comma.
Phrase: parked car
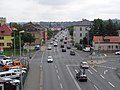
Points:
[[50, 59], [5, 61], [3, 56], [117, 53], [84, 65], [37, 47], [72, 52], [87, 49], [18, 67], [18, 71]]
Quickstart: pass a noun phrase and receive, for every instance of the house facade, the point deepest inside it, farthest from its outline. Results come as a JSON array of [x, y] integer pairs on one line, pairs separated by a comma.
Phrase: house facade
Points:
[[37, 31], [5, 36], [106, 43], [81, 31]]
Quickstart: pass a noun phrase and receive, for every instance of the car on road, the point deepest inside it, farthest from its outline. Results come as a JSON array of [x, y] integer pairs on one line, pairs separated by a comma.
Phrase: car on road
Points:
[[55, 44], [65, 42], [50, 59], [87, 49], [68, 47], [72, 52], [49, 47], [81, 77], [117, 53], [63, 50], [62, 46], [84, 65], [51, 42], [37, 47]]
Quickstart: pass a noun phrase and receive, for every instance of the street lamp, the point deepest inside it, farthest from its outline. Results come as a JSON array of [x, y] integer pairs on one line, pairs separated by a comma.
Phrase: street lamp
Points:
[[88, 29], [20, 59], [14, 29]]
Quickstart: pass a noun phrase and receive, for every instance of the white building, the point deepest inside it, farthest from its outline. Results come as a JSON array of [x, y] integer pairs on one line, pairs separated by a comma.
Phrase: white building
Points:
[[81, 31]]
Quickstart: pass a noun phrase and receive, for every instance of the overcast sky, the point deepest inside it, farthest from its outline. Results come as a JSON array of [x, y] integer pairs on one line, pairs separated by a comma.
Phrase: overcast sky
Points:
[[58, 10]]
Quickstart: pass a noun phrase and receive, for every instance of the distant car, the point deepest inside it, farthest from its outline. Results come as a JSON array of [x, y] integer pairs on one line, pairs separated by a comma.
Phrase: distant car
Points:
[[49, 47], [84, 65], [68, 47], [51, 42], [72, 52], [117, 53], [61, 40], [62, 46], [50, 59], [63, 50], [55, 44], [65, 42]]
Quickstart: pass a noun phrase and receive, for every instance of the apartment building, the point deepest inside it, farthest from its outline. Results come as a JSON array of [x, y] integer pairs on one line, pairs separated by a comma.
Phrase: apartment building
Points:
[[81, 30]]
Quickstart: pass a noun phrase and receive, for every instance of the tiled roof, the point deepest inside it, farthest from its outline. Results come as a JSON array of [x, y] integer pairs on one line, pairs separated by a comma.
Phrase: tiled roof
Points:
[[5, 30], [111, 39]]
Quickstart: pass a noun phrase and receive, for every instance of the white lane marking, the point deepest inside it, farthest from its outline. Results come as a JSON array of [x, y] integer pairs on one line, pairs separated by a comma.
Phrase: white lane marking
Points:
[[90, 71], [56, 70], [89, 79], [96, 87], [102, 76], [105, 71], [111, 84], [94, 69], [77, 85], [105, 67], [55, 66], [42, 57], [58, 77], [61, 85], [79, 55], [76, 71]]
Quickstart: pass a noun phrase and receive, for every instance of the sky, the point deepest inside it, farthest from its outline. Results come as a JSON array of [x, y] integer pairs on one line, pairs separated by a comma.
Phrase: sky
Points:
[[58, 10]]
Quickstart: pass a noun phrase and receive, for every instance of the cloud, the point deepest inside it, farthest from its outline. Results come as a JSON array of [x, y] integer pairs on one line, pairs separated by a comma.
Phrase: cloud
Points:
[[58, 10]]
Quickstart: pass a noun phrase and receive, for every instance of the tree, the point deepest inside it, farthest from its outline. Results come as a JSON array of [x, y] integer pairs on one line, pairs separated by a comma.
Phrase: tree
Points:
[[71, 29], [27, 38]]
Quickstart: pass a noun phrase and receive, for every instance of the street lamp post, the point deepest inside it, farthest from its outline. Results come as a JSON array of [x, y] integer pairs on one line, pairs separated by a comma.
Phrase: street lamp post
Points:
[[88, 29], [20, 60], [14, 52]]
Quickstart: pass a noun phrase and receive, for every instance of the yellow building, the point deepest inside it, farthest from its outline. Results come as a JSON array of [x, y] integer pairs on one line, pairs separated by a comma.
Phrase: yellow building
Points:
[[5, 36]]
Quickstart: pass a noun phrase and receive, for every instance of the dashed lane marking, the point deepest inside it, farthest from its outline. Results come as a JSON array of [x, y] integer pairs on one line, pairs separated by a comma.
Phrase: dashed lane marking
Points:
[[96, 87], [61, 85], [102, 76], [90, 71], [57, 71], [58, 77], [111, 84]]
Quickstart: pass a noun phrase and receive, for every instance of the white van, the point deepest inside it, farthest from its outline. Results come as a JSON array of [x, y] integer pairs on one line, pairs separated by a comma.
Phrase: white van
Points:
[[9, 74]]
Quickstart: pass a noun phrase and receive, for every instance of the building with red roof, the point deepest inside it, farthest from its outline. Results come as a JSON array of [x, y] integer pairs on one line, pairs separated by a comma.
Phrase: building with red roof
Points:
[[106, 43], [5, 36]]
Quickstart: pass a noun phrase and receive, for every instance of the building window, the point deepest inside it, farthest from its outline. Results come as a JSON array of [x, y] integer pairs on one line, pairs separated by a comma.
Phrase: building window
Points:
[[8, 44], [1, 44], [80, 34], [80, 29], [116, 47], [86, 34], [1, 38], [2, 31]]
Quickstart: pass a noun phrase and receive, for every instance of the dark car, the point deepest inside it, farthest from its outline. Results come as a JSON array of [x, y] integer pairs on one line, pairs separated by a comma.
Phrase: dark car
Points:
[[72, 52], [68, 47], [62, 46], [81, 76], [63, 50], [61, 40], [65, 42]]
